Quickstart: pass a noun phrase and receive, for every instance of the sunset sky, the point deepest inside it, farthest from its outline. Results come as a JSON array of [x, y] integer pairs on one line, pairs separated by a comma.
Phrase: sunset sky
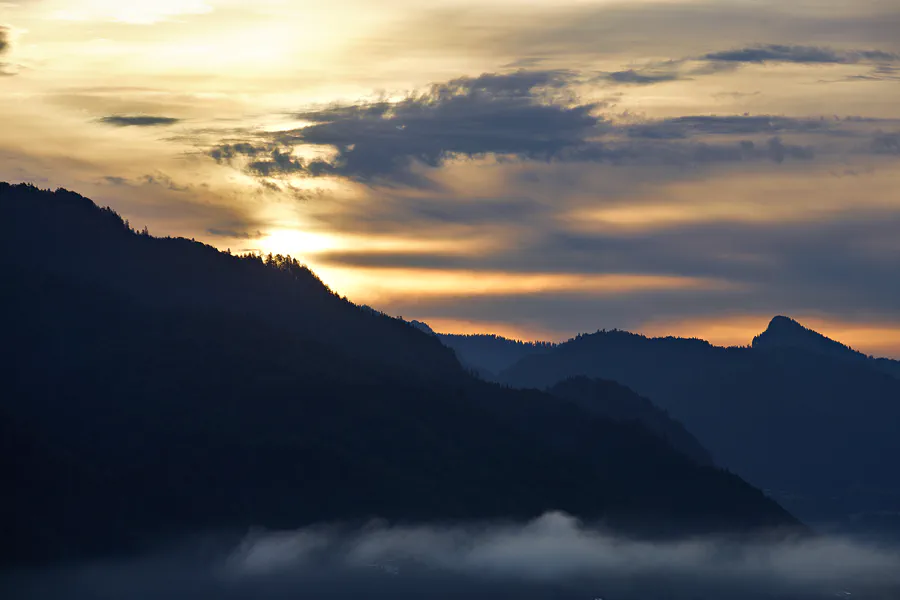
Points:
[[533, 168]]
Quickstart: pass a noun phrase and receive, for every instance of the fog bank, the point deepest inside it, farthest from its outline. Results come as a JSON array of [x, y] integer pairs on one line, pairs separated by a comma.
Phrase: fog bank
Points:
[[554, 556]]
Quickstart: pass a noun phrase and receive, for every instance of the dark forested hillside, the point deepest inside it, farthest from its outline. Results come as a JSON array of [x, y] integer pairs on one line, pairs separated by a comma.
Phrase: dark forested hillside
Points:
[[815, 427], [156, 387], [490, 354], [67, 234], [614, 401]]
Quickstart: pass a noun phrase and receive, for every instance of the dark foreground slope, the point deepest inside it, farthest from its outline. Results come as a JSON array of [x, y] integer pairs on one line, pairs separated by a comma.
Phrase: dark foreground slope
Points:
[[815, 427], [131, 413]]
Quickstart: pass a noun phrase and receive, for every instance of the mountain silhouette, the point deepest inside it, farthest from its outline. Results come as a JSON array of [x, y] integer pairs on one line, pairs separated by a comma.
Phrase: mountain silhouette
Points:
[[156, 387], [806, 418], [784, 332], [488, 354]]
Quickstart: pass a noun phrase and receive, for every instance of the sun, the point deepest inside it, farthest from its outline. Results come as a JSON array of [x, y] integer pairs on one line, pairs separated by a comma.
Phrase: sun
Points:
[[298, 243]]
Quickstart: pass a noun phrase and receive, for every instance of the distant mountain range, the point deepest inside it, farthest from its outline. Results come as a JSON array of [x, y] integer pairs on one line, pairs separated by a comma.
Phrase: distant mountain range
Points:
[[156, 387], [812, 421]]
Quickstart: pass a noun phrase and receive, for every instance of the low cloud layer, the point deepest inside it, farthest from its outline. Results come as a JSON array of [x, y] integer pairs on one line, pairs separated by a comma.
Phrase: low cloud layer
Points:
[[553, 556]]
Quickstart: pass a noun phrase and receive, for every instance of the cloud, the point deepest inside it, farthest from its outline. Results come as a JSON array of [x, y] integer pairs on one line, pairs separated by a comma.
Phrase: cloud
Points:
[[729, 60], [138, 120], [879, 73], [800, 54], [5, 45], [504, 114], [886, 143], [233, 233], [156, 179], [787, 238], [840, 268], [165, 181], [688, 126], [640, 77], [583, 32], [553, 556], [524, 116]]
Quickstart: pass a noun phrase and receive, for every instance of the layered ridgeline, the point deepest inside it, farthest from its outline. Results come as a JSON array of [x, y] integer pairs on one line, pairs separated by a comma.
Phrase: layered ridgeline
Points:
[[612, 400], [486, 354], [155, 387], [807, 418]]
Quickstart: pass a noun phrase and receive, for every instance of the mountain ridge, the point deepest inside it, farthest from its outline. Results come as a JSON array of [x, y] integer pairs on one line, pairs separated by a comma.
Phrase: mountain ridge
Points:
[[769, 413], [158, 387]]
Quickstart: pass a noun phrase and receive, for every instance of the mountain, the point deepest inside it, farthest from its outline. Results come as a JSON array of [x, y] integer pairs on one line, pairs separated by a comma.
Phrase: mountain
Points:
[[606, 399], [423, 327], [612, 400], [155, 387], [794, 414], [488, 354], [784, 332], [95, 246], [484, 354]]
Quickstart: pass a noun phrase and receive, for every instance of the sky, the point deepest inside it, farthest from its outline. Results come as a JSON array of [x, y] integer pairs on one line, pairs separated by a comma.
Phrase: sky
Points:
[[532, 168]]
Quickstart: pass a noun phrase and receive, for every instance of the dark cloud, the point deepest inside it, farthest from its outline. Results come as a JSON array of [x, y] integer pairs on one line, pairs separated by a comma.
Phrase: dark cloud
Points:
[[673, 150], [729, 60], [800, 54], [234, 233], [880, 73], [683, 69], [638, 77], [679, 69], [156, 179], [528, 62], [886, 143], [666, 70], [685, 127], [138, 120], [525, 115], [736, 95], [501, 114], [165, 181], [4, 48]]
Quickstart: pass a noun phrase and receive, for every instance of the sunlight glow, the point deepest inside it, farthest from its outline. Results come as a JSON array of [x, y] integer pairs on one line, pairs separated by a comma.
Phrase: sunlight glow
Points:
[[297, 243], [382, 283], [137, 13]]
